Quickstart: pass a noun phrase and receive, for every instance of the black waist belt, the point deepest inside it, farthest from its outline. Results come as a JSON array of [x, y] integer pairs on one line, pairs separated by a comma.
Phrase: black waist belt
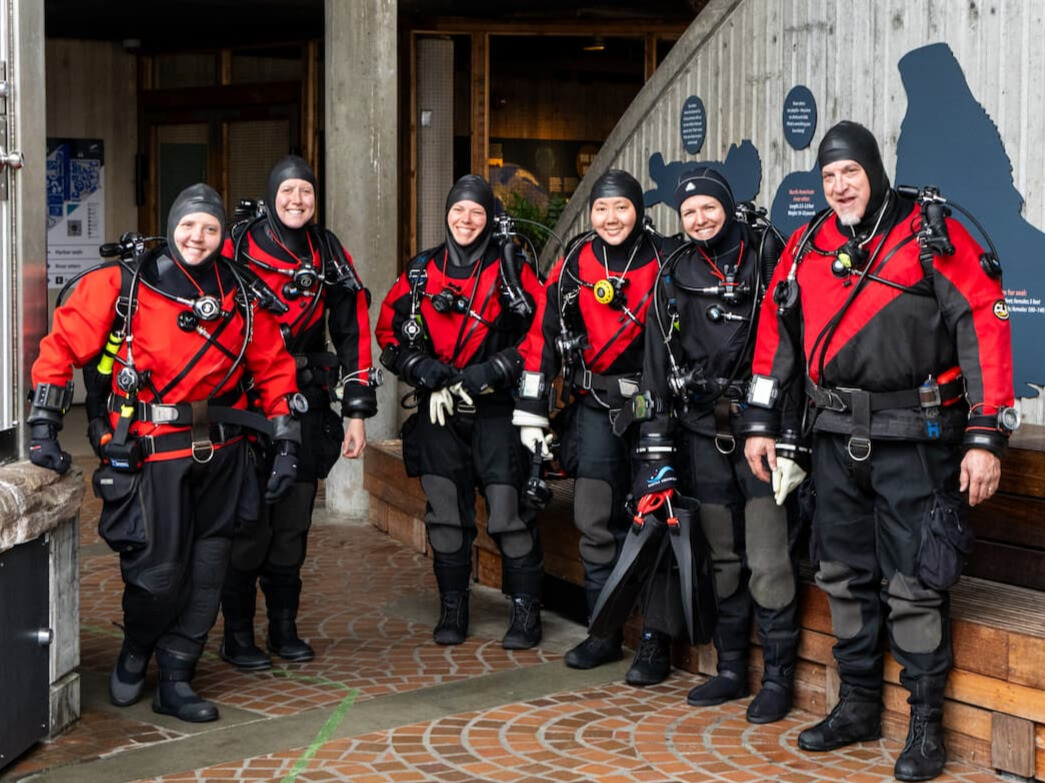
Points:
[[202, 450], [860, 404], [605, 384], [842, 400], [181, 415]]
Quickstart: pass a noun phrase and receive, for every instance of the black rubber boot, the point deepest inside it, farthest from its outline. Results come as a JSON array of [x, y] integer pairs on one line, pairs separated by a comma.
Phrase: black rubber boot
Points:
[[239, 649], [774, 700], [595, 651], [856, 718], [453, 618], [652, 663], [924, 754], [283, 638], [128, 675], [174, 694], [524, 628], [238, 603], [730, 683]]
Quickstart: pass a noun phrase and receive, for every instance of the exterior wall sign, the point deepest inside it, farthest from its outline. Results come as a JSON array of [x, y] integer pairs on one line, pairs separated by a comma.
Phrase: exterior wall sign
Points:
[[799, 117], [75, 207], [693, 124]]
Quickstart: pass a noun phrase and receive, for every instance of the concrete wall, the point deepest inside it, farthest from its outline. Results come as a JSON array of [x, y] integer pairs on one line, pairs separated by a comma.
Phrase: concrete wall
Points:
[[361, 176], [742, 56], [92, 93]]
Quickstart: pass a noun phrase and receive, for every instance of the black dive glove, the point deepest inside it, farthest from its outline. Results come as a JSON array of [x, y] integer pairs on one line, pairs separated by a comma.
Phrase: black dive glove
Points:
[[44, 450], [284, 471], [477, 378], [499, 371], [428, 373], [49, 404]]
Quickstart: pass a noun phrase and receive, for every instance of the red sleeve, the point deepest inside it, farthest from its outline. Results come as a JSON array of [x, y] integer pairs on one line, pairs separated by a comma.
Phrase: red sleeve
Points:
[[973, 305], [538, 347], [80, 327], [394, 310], [777, 355]]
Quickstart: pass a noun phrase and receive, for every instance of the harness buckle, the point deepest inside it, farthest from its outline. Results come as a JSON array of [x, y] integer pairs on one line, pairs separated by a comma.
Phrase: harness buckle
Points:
[[862, 448], [202, 451], [829, 400], [161, 414], [586, 379]]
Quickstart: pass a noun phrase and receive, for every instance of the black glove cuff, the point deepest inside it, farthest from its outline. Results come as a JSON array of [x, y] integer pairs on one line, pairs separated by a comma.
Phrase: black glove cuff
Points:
[[44, 430], [993, 440], [359, 405], [287, 447], [286, 428], [790, 445], [757, 421], [508, 367], [44, 416]]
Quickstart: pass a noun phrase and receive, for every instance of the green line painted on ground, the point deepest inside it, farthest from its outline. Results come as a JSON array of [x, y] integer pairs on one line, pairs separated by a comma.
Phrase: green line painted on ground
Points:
[[324, 734], [274, 672]]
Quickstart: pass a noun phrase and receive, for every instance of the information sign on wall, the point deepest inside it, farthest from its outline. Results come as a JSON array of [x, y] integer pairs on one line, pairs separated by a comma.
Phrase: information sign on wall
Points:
[[693, 124], [75, 207], [799, 117]]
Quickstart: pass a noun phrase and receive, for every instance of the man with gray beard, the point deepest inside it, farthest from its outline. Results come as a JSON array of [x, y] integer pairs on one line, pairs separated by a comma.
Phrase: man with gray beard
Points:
[[903, 338]]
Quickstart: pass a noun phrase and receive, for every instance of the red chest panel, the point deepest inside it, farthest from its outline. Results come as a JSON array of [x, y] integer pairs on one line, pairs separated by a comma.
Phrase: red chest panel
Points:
[[608, 327]]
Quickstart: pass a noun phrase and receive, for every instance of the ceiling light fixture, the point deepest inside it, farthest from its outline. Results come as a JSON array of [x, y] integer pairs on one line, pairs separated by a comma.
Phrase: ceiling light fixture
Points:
[[598, 44]]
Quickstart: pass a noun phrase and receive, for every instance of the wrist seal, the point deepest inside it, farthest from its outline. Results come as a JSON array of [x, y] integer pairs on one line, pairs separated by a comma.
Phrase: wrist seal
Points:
[[286, 428]]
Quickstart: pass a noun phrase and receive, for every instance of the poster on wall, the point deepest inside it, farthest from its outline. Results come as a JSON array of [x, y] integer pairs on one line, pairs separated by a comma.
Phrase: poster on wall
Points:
[[75, 207]]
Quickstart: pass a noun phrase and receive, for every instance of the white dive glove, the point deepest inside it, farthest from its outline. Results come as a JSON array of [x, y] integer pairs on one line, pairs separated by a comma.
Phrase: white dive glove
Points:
[[786, 477], [441, 403], [458, 391], [533, 432], [440, 406]]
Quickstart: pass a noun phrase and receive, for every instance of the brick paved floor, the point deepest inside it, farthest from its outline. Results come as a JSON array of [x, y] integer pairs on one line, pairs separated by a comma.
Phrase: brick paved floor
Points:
[[368, 607]]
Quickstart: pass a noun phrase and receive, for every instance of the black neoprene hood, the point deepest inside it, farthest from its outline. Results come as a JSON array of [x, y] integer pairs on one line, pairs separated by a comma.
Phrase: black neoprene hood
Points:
[[290, 167], [195, 198], [705, 181], [470, 187], [617, 183], [852, 141]]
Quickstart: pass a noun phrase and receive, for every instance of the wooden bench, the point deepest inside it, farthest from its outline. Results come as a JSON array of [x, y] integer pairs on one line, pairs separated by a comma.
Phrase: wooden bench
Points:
[[995, 716]]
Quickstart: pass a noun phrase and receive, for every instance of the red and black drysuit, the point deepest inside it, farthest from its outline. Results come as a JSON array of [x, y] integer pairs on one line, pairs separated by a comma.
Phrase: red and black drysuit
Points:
[[270, 551], [600, 374], [180, 508], [474, 449], [701, 329], [863, 343]]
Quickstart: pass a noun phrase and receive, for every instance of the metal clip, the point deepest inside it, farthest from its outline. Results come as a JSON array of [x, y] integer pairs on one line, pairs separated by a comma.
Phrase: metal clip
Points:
[[863, 447], [722, 440], [201, 448], [162, 414]]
